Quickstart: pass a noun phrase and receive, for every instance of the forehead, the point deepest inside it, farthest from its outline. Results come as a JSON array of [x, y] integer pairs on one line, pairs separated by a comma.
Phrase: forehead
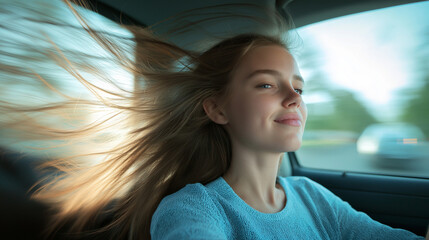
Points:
[[267, 57]]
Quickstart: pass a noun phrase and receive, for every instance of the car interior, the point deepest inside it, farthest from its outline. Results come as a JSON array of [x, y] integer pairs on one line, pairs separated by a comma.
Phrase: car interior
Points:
[[399, 201]]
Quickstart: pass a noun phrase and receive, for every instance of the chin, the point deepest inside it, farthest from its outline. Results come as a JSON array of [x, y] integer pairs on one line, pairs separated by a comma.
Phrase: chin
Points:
[[293, 145], [293, 149]]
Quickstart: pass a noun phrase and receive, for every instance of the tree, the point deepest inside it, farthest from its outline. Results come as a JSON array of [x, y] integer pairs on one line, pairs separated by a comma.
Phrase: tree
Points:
[[416, 110], [347, 113]]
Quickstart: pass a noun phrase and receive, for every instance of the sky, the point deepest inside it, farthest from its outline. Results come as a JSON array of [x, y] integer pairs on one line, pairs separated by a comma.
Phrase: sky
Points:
[[371, 53]]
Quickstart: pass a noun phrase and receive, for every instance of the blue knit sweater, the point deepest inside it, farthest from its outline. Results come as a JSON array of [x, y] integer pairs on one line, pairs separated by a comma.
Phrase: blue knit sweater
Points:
[[214, 211]]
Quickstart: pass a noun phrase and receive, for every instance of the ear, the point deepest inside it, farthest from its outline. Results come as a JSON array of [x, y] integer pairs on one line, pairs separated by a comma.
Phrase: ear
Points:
[[214, 111]]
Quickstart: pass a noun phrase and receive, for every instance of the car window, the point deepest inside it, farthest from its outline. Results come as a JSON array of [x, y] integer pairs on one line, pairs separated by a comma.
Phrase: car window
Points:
[[367, 85], [69, 36]]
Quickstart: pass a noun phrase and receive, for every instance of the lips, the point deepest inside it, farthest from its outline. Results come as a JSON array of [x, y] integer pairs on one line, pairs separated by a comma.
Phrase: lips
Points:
[[291, 119]]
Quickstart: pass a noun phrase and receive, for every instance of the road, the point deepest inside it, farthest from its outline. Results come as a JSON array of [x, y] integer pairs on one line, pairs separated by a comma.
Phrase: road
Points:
[[344, 157]]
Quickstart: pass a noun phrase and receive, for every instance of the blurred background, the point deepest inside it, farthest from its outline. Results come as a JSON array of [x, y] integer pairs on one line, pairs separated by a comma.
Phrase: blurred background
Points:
[[367, 85]]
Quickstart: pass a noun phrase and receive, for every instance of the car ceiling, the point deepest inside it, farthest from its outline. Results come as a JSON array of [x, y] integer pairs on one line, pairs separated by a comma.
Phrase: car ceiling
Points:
[[148, 12]]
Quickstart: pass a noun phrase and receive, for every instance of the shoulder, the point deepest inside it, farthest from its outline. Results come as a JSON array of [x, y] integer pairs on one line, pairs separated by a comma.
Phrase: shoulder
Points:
[[189, 194], [192, 198], [189, 211]]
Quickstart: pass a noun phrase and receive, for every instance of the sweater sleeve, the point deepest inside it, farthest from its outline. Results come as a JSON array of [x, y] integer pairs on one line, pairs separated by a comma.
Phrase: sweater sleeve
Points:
[[187, 214], [358, 225]]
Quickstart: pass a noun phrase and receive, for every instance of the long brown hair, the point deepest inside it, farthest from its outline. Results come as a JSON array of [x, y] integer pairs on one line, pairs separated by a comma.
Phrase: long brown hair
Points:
[[165, 140]]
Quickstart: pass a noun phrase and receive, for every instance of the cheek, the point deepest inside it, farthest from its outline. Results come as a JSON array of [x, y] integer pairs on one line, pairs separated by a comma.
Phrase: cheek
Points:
[[303, 110], [249, 110]]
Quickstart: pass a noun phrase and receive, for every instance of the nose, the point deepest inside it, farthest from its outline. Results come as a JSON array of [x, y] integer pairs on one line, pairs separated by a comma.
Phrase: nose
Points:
[[292, 99]]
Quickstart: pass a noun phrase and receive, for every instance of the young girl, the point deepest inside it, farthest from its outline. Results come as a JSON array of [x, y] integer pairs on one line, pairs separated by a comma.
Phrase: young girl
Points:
[[263, 115], [202, 138]]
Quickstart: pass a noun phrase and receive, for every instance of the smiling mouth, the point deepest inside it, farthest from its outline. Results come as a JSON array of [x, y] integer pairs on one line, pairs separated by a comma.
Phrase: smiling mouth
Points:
[[290, 122], [291, 119]]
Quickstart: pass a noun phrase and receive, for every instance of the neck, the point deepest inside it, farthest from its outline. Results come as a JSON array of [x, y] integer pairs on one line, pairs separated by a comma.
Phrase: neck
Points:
[[253, 176]]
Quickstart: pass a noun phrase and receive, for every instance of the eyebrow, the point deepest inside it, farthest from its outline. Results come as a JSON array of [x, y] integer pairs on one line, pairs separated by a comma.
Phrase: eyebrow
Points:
[[274, 73]]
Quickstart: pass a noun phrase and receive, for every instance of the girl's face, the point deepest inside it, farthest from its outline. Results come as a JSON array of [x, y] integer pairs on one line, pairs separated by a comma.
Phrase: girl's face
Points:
[[264, 110]]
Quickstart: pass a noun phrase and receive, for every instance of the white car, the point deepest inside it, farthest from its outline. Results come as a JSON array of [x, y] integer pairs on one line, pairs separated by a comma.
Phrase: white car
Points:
[[392, 141]]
